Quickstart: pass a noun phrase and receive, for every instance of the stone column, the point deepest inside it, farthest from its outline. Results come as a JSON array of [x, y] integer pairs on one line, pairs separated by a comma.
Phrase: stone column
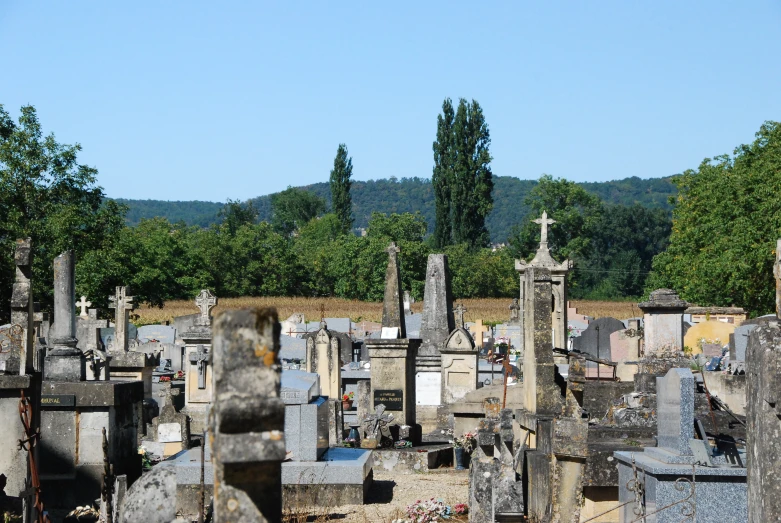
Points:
[[64, 362], [247, 417], [763, 423]]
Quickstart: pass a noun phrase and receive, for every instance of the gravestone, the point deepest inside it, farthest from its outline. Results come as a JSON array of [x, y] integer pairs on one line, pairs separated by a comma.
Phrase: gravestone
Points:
[[156, 333], [393, 357], [74, 412], [512, 333], [595, 341], [88, 331], [663, 322], [436, 324], [478, 330], [739, 342], [459, 365], [247, 419], [306, 416], [323, 357], [124, 363], [515, 313], [199, 382], [675, 411], [171, 429]]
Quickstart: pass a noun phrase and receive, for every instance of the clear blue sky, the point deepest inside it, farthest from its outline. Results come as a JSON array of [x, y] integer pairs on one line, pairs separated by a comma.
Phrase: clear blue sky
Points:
[[203, 100]]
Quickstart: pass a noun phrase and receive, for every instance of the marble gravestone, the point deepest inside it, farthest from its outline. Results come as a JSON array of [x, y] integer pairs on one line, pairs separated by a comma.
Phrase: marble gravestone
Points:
[[306, 416], [664, 472]]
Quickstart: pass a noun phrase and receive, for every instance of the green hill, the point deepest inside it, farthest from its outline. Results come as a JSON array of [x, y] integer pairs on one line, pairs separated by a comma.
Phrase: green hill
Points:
[[415, 194]]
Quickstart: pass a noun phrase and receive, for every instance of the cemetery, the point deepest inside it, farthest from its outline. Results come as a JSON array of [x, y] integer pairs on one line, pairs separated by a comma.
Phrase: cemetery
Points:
[[591, 420], [427, 335]]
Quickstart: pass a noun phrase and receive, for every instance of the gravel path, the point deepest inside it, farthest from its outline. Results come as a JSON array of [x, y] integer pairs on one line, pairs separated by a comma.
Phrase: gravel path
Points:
[[391, 493]]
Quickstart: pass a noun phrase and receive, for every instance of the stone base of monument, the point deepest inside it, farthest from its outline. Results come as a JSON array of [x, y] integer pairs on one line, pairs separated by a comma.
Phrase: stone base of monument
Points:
[[187, 465], [73, 415], [13, 460], [415, 460], [343, 476]]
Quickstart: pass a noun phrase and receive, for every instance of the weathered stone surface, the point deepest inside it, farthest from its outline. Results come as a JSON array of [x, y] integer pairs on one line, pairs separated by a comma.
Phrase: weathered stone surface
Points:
[[595, 340], [323, 357], [663, 321], [64, 362], [247, 417], [152, 499], [438, 321], [763, 423], [393, 303], [675, 410]]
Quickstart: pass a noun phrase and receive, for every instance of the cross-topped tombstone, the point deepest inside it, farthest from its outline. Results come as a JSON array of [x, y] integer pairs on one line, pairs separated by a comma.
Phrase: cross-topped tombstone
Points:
[[459, 312], [122, 305], [205, 301], [544, 222], [83, 305], [168, 393], [200, 358], [376, 425]]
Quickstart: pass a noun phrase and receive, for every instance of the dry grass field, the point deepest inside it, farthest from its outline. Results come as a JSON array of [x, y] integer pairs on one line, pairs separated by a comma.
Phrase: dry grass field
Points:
[[490, 310]]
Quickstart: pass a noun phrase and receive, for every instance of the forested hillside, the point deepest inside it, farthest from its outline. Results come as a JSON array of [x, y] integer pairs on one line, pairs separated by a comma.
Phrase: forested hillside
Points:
[[415, 194]]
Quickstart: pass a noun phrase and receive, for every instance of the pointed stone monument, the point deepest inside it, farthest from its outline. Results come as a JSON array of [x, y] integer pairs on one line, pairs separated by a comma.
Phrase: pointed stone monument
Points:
[[393, 355]]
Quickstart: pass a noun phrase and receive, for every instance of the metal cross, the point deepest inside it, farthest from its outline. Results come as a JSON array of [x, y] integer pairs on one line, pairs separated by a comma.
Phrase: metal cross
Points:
[[544, 222], [205, 302], [83, 304], [201, 359], [459, 312], [378, 423]]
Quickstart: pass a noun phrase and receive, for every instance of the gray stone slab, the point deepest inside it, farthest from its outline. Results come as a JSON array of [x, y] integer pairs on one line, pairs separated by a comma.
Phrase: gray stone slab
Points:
[[169, 432], [595, 340], [339, 466], [298, 387], [187, 465], [414, 325], [675, 410], [160, 333], [292, 348], [741, 342], [306, 430], [512, 332]]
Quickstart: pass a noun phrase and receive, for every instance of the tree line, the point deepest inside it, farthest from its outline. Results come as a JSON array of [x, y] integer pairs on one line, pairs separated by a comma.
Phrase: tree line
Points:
[[715, 251]]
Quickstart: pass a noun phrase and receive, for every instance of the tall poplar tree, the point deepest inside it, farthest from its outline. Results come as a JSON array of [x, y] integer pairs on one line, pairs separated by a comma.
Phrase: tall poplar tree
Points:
[[471, 181], [442, 178], [341, 202]]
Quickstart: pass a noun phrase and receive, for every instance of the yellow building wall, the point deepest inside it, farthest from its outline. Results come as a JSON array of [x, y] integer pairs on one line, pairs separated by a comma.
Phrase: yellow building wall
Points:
[[712, 331]]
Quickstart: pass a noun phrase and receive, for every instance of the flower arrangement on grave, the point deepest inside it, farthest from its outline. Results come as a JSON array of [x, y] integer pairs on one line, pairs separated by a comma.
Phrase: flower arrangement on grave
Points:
[[179, 375], [433, 510], [164, 379], [501, 345], [349, 442], [146, 460], [467, 442], [347, 400]]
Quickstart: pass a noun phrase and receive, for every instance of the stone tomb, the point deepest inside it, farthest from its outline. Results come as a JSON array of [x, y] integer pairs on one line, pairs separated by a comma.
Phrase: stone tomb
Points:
[[171, 429], [663, 322], [316, 473], [459, 366], [199, 380], [665, 471]]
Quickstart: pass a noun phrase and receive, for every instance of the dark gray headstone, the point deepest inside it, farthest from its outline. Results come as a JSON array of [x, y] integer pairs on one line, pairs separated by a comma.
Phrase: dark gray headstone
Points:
[[740, 337], [595, 340]]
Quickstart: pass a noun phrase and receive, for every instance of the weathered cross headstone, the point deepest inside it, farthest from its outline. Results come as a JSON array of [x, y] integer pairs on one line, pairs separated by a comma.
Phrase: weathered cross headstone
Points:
[[247, 417], [83, 305], [544, 221], [122, 305], [22, 308], [459, 312], [205, 301], [200, 358]]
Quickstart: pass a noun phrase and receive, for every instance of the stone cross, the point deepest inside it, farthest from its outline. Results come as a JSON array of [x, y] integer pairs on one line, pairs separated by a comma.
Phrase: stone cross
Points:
[[122, 305], [392, 249], [168, 393], [22, 306], [777, 272], [205, 302], [201, 359], [459, 312], [83, 305], [544, 222], [377, 423]]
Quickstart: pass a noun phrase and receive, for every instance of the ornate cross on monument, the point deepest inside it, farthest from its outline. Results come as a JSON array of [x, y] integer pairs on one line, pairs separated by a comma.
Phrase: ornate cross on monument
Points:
[[168, 392], [205, 302], [544, 222], [83, 305], [777, 272], [376, 425], [122, 305], [200, 358], [459, 313]]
